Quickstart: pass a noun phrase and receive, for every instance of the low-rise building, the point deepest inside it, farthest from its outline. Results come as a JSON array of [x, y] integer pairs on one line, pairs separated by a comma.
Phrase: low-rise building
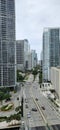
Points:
[[55, 79]]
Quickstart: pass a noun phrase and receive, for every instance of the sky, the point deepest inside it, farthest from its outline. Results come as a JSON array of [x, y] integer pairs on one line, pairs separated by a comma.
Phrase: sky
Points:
[[31, 18]]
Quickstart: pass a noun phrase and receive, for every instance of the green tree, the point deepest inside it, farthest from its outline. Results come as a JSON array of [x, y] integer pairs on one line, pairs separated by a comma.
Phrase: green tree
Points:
[[40, 77], [1, 97], [19, 76], [7, 96], [4, 95], [34, 72]]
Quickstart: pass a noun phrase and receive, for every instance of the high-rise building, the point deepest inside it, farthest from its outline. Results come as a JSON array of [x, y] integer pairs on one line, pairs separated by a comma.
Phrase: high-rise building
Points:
[[51, 50], [22, 50], [7, 43], [34, 58], [41, 60], [29, 61]]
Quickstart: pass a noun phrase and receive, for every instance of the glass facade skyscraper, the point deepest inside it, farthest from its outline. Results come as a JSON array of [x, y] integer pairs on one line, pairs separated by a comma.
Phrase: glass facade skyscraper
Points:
[[33, 58], [22, 50], [51, 51], [7, 43]]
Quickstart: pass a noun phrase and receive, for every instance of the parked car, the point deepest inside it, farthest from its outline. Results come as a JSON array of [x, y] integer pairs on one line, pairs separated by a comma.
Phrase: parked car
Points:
[[26, 106], [28, 115], [26, 100]]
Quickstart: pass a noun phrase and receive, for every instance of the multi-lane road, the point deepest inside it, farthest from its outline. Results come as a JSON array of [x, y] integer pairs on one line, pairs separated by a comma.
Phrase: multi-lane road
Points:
[[45, 117]]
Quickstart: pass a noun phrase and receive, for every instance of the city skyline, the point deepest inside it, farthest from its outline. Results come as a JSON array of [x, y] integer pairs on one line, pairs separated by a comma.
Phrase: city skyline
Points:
[[32, 16]]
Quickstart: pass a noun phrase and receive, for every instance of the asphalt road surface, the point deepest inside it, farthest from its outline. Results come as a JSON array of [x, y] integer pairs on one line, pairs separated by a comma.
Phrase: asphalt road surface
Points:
[[37, 119]]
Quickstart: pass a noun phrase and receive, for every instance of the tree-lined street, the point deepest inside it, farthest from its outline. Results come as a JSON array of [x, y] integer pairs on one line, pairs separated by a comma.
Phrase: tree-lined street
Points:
[[45, 117]]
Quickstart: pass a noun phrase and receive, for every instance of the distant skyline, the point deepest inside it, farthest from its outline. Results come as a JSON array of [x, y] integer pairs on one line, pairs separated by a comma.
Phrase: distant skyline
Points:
[[32, 16]]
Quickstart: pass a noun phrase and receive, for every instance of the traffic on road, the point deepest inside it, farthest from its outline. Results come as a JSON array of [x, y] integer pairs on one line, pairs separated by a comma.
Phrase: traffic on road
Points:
[[39, 114]]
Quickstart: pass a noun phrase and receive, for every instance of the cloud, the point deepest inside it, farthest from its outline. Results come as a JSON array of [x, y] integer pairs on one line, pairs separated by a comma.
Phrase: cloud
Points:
[[32, 16]]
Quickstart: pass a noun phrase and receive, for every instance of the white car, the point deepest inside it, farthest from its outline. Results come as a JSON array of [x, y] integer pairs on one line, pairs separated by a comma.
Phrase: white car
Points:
[[28, 115]]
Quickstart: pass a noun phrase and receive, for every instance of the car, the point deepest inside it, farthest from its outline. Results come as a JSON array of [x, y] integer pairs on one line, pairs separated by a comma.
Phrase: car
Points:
[[22, 122], [17, 98], [28, 115], [34, 109], [43, 107], [26, 100], [26, 106], [36, 99]]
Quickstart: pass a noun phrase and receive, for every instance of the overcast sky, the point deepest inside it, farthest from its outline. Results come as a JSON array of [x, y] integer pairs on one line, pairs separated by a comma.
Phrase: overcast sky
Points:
[[32, 16]]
